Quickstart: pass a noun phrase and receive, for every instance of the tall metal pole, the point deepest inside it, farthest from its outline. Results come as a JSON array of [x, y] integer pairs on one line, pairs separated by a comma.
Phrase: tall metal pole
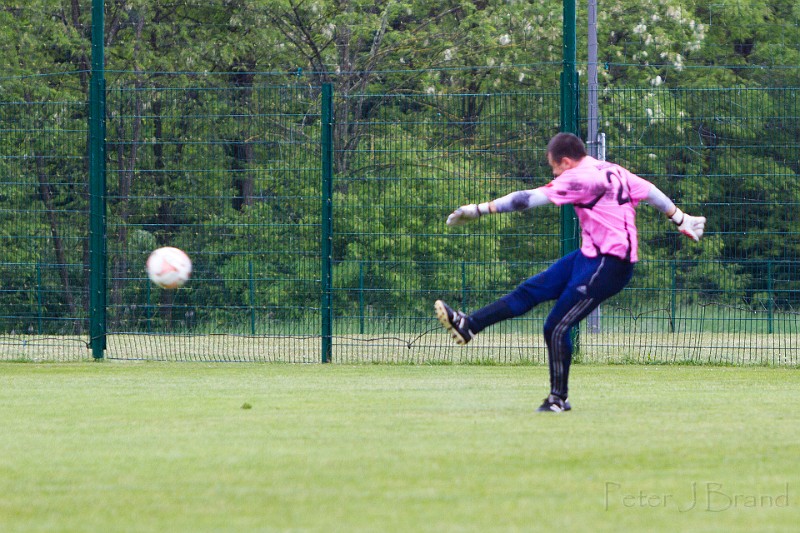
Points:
[[593, 111], [97, 186], [593, 320]]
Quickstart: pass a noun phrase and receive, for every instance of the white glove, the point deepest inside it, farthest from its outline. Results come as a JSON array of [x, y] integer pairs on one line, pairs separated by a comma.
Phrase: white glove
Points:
[[690, 226], [463, 214]]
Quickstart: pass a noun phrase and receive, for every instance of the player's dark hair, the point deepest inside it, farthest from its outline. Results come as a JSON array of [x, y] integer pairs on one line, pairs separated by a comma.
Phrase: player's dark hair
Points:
[[566, 145]]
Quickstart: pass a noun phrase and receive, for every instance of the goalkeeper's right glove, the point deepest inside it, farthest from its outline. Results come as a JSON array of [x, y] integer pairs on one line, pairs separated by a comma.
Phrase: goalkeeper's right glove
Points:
[[467, 212], [690, 226]]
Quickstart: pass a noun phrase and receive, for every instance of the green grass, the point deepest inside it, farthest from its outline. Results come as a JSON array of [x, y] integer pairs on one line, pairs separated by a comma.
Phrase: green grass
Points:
[[174, 447]]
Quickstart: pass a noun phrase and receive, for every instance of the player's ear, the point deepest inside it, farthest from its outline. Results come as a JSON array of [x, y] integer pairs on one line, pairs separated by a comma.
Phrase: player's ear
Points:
[[568, 162], [553, 161]]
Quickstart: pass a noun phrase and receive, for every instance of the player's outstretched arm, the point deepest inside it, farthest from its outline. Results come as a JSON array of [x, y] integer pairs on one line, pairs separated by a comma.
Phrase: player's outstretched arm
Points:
[[516, 201], [689, 225]]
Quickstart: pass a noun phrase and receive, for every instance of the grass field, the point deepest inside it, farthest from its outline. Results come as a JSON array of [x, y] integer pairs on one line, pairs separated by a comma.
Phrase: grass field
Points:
[[149, 447]]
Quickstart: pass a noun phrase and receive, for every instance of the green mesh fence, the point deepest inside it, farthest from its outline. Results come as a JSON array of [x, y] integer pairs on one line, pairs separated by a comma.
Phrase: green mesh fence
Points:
[[231, 171], [731, 155], [411, 163], [43, 226], [231, 175]]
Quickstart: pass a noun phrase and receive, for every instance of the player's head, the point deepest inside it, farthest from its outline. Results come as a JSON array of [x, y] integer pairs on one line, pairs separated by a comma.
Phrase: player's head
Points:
[[564, 145]]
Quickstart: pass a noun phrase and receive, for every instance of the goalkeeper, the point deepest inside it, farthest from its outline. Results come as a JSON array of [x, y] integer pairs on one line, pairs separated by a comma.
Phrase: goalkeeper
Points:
[[604, 196]]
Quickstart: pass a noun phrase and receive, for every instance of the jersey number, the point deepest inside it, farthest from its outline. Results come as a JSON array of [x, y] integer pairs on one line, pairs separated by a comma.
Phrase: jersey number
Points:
[[623, 196]]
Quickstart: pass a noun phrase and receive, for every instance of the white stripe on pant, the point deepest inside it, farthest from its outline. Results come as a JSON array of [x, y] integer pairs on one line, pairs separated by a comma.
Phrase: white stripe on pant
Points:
[[560, 362]]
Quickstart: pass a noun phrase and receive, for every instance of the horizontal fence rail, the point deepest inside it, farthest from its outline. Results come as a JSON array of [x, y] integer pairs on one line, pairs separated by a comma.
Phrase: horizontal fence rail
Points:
[[234, 174]]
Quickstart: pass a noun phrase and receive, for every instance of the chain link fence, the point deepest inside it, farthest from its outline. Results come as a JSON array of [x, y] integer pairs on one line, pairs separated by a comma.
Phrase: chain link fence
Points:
[[233, 173]]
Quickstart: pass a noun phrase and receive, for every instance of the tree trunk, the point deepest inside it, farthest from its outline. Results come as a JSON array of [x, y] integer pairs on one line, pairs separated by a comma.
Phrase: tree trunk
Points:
[[241, 151], [46, 193], [126, 167]]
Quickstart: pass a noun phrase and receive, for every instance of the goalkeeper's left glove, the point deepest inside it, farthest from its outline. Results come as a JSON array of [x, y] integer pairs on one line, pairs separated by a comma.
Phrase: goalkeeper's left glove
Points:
[[690, 226]]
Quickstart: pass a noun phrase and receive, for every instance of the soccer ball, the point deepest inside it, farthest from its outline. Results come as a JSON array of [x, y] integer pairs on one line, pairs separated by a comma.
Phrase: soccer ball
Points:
[[169, 267]]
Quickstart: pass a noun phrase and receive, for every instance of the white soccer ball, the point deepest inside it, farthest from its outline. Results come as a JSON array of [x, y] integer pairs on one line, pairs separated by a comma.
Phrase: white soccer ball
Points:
[[169, 267]]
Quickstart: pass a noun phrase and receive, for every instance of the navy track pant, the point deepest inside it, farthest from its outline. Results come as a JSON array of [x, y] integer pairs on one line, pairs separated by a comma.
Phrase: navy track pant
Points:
[[578, 284]]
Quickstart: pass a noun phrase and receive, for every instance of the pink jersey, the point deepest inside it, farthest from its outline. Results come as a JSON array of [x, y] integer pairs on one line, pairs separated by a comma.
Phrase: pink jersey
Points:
[[605, 196]]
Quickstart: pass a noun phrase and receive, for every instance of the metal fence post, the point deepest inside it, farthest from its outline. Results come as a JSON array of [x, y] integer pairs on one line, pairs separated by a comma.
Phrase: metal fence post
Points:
[[361, 304], [326, 245], [770, 298], [569, 115], [97, 187], [569, 123]]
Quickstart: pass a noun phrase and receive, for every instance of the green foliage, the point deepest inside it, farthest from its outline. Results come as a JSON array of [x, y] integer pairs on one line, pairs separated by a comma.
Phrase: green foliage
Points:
[[213, 146]]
